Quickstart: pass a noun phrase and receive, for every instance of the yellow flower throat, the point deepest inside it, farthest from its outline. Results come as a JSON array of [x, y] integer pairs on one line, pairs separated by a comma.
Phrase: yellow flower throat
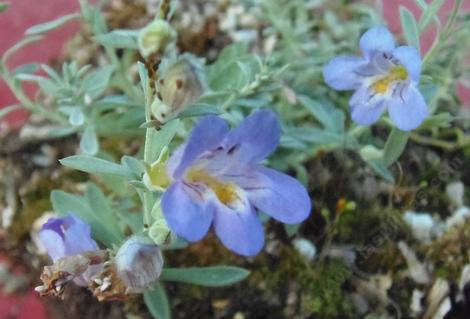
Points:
[[225, 192], [398, 73]]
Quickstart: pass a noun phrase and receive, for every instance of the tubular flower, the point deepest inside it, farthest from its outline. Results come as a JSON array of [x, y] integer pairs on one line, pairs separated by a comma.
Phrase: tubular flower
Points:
[[386, 77], [216, 178], [74, 253], [66, 237]]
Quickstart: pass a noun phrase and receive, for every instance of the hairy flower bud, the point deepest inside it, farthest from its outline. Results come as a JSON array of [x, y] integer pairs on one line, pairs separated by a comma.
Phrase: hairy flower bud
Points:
[[139, 263], [155, 37], [181, 84]]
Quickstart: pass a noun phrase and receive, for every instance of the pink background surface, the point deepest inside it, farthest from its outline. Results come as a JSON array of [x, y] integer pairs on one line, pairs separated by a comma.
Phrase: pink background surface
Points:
[[15, 21], [24, 13]]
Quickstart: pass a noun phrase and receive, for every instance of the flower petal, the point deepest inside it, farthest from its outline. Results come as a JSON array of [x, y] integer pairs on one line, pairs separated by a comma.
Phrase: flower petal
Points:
[[255, 138], [241, 232], [207, 135], [53, 243], [408, 110], [280, 196], [187, 214], [410, 58], [377, 39], [340, 72], [78, 239], [366, 108]]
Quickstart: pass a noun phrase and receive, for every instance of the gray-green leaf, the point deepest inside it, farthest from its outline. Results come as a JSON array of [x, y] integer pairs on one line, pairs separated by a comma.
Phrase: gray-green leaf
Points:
[[51, 25], [216, 276], [395, 145], [89, 141], [97, 81], [95, 165], [123, 39], [157, 302], [410, 27], [65, 204]]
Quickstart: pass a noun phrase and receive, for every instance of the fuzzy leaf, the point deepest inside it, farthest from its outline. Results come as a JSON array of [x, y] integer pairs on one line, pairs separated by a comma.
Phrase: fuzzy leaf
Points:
[[95, 165], [123, 39], [410, 27], [395, 145], [97, 81], [331, 118], [162, 138], [65, 203], [157, 302], [216, 276], [430, 13], [7, 110], [89, 142], [51, 25]]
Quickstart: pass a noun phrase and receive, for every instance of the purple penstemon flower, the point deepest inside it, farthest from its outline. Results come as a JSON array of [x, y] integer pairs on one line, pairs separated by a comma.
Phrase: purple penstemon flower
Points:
[[385, 77], [68, 236], [217, 179]]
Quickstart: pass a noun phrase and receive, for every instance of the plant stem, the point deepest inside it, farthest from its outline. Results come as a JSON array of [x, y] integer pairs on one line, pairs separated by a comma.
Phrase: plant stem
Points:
[[444, 35], [28, 104]]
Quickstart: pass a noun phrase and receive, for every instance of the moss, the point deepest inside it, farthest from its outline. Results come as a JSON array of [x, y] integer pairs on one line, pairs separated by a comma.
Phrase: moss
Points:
[[318, 286], [324, 295], [451, 252]]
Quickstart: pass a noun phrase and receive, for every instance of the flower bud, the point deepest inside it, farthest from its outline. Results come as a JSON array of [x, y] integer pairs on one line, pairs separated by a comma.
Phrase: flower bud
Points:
[[139, 263], [181, 84], [155, 37]]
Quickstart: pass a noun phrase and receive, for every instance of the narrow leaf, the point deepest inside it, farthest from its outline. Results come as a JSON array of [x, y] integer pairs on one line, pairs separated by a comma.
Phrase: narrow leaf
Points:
[[89, 142], [95, 165], [198, 110], [18, 46], [97, 81], [101, 207], [206, 276], [162, 138], [157, 302], [28, 68], [123, 39], [7, 110], [410, 27], [395, 145], [65, 204], [430, 13], [51, 25], [144, 79], [331, 118], [382, 170]]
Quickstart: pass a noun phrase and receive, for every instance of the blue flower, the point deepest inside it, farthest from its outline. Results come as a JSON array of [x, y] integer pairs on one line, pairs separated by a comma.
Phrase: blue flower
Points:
[[66, 237], [385, 77], [217, 179]]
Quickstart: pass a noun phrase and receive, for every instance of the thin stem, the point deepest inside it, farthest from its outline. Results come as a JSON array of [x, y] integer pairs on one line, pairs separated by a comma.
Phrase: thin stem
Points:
[[26, 102], [445, 34]]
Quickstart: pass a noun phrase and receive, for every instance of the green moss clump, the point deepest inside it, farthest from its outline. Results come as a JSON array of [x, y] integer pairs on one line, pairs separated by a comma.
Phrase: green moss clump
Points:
[[318, 286], [324, 294], [451, 252]]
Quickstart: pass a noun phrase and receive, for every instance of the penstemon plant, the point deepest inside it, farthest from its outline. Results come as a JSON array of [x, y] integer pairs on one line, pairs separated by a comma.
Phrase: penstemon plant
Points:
[[218, 138]]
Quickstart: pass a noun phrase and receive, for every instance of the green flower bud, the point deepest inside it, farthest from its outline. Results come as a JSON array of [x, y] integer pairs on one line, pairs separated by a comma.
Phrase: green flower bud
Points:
[[155, 37]]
